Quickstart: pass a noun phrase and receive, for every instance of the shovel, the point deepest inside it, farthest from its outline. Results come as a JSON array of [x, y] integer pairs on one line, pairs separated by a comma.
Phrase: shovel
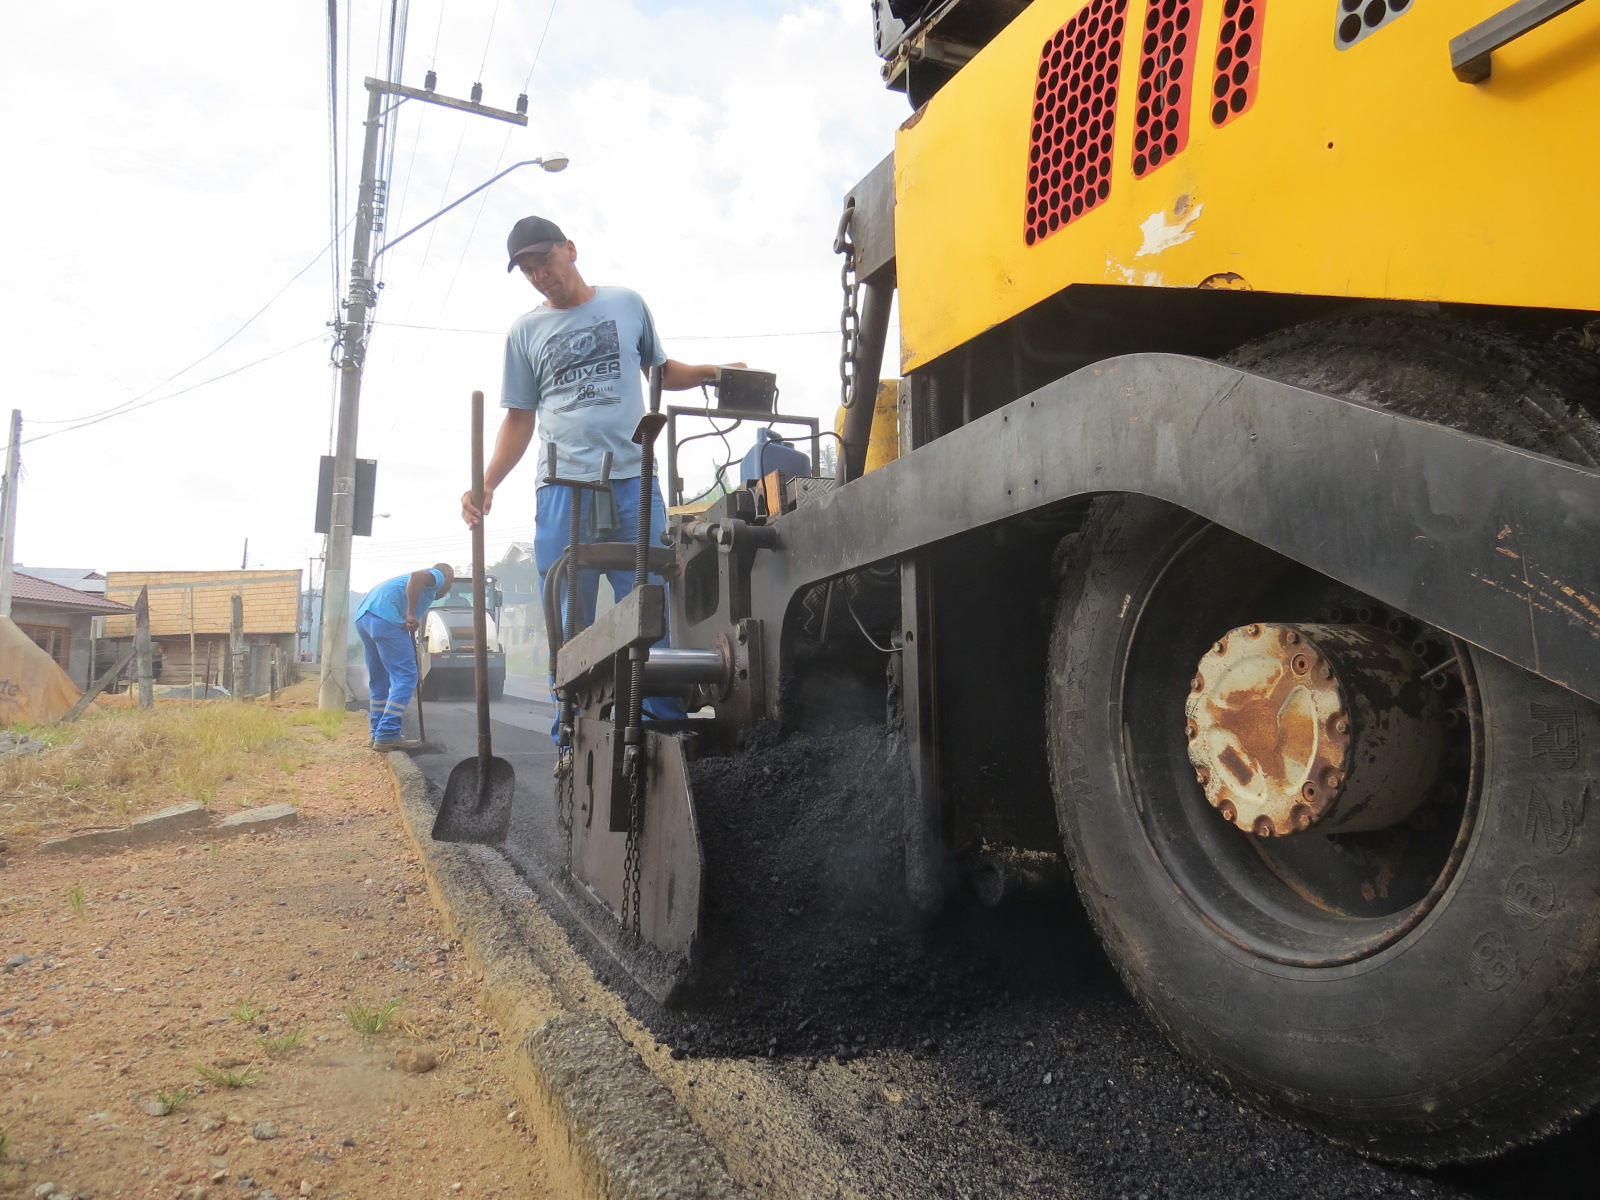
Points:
[[422, 728], [477, 797]]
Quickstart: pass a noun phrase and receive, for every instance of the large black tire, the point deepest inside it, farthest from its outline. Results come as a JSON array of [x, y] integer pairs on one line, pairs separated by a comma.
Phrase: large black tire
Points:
[[1453, 1019], [1537, 393]]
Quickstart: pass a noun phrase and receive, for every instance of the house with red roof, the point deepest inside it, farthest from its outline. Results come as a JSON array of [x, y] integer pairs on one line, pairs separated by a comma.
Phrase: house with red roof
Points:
[[63, 621]]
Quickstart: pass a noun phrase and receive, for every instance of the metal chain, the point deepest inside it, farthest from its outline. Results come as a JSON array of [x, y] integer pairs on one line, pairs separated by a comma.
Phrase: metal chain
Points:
[[849, 316], [630, 860], [564, 790]]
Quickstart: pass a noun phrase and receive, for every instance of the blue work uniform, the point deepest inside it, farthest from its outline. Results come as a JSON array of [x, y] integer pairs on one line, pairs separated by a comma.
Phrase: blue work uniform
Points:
[[391, 654]]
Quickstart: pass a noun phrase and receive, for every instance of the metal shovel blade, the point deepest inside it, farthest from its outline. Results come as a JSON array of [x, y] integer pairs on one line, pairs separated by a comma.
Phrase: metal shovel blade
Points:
[[476, 807]]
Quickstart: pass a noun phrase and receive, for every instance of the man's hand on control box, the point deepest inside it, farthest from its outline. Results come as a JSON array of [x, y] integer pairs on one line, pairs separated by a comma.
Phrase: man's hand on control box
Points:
[[680, 377]]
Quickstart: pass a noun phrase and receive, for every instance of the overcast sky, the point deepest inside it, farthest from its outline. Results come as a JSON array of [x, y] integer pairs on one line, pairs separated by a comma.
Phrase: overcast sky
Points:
[[169, 174]]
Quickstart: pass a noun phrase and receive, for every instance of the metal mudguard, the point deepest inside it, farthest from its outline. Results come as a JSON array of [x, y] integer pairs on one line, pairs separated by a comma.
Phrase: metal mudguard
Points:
[[1499, 546]]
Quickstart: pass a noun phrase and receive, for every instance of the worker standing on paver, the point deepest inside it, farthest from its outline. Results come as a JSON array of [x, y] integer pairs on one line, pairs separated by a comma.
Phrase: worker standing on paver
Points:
[[576, 363], [387, 620]]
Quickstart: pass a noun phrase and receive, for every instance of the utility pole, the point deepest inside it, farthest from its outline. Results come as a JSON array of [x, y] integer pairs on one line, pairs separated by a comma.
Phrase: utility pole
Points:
[[334, 692], [8, 523]]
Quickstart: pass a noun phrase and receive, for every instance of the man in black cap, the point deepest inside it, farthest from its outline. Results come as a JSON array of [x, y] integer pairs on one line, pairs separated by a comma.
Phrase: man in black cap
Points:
[[576, 362]]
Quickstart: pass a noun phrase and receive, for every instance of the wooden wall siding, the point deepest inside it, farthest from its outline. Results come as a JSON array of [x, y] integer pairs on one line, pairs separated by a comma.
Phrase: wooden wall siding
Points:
[[271, 601], [175, 657], [258, 653]]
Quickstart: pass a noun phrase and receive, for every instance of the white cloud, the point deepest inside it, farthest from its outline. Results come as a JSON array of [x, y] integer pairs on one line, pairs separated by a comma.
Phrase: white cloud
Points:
[[169, 173]]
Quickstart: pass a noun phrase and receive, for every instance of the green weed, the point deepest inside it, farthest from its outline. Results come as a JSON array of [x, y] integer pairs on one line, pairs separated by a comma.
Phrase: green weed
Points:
[[78, 899], [247, 1011], [228, 1077], [283, 1043], [369, 1019], [174, 1098]]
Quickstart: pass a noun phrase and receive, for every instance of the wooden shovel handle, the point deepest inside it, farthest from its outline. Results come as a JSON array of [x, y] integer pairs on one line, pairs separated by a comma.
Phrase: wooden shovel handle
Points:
[[480, 616]]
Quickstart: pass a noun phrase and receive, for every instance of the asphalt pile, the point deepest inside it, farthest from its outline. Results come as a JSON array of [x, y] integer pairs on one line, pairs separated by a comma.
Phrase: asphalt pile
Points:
[[813, 955]]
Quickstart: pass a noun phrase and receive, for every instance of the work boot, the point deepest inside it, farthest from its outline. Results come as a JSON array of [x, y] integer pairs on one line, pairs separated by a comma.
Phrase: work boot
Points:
[[389, 744]]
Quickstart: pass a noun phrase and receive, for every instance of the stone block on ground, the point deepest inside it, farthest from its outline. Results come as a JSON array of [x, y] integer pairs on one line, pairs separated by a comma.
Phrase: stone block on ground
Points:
[[154, 827], [252, 820], [177, 819]]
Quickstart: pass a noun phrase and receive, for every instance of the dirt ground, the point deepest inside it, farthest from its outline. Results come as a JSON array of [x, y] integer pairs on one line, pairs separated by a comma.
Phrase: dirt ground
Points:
[[128, 978]]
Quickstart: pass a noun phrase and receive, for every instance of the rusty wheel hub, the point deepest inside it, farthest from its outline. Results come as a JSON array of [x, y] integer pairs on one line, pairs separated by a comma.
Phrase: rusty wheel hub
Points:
[[1300, 727]]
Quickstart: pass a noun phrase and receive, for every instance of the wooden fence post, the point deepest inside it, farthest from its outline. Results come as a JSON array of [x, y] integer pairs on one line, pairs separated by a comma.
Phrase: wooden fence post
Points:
[[95, 688], [236, 645], [141, 646], [191, 647]]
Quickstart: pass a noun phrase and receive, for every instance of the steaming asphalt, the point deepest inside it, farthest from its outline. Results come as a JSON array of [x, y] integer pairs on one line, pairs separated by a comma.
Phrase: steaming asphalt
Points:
[[1053, 1084]]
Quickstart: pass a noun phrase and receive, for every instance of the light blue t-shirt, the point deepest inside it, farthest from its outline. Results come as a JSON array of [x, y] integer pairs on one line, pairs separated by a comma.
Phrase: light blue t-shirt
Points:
[[388, 599], [579, 368]]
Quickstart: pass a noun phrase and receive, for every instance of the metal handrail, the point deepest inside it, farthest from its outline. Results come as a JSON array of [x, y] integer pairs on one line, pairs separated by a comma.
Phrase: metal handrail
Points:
[[1470, 52]]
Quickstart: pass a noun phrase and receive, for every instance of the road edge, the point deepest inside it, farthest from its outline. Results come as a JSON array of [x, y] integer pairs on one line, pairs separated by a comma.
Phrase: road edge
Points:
[[620, 1134]]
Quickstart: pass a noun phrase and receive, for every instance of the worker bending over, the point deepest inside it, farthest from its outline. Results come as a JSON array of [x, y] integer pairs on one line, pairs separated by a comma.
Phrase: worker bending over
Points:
[[387, 619]]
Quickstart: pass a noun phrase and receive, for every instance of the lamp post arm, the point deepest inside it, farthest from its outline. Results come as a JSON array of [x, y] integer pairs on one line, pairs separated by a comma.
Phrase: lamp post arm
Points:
[[459, 200]]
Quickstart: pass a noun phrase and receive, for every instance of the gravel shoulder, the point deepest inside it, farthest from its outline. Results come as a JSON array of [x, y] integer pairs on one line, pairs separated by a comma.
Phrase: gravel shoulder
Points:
[[132, 976]]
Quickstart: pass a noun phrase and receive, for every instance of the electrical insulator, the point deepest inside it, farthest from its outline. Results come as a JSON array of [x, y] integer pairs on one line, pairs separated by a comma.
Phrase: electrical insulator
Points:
[[430, 81], [522, 104], [477, 93]]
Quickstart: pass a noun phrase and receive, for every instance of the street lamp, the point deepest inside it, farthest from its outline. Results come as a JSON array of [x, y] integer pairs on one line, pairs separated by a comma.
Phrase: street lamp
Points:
[[553, 162]]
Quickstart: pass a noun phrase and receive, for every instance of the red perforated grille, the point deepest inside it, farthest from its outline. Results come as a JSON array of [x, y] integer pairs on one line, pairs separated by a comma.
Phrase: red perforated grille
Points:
[[1074, 118], [1166, 82], [1233, 87]]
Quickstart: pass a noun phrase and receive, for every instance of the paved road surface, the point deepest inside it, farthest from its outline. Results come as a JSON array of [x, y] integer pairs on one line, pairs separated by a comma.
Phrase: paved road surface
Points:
[[1060, 1090]]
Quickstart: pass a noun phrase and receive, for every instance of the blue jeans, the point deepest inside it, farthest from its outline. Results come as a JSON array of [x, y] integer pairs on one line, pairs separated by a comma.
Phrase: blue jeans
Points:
[[391, 673], [552, 527]]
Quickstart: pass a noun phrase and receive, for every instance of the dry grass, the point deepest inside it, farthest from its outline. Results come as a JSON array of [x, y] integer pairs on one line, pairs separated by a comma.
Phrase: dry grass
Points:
[[327, 723], [121, 761]]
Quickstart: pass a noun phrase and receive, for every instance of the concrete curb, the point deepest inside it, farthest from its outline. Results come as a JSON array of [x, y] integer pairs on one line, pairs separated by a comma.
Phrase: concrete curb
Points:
[[171, 823], [620, 1133]]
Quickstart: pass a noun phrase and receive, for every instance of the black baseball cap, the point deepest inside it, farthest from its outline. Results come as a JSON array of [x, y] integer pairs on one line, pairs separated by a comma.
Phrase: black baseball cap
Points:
[[532, 235]]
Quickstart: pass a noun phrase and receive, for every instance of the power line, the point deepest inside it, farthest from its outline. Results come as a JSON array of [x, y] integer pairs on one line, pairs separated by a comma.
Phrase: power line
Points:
[[333, 143], [174, 395], [489, 40], [499, 158], [112, 411], [433, 59], [420, 544], [680, 337], [547, 19]]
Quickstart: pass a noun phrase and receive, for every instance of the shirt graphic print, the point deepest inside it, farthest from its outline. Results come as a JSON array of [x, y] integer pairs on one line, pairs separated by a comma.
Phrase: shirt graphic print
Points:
[[585, 367], [581, 370]]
